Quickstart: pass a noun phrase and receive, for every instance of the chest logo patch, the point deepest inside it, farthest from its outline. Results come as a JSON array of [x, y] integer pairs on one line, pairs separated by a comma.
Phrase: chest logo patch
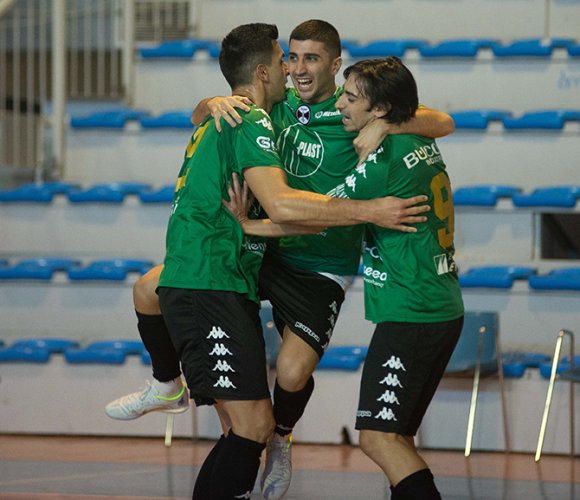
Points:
[[303, 114]]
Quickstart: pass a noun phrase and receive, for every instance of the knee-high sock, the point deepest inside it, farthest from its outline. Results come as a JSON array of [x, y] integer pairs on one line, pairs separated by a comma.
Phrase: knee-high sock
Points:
[[201, 490], [290, 406], [418, 486], [155, 337], [235, 468]]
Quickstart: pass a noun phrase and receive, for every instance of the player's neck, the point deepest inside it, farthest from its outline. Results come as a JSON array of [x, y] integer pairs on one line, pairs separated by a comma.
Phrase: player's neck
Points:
[[255, 94]]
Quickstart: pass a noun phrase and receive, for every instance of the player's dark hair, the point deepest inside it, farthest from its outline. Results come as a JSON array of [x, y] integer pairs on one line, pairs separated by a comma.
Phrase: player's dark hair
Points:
[[244, 48], [387, 83], [319, 31]]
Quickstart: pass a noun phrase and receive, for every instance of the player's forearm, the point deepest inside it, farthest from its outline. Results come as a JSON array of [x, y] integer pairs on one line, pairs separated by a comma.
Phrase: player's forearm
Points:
[[426, 122], [269, 229], [312, 209], [201, 112]]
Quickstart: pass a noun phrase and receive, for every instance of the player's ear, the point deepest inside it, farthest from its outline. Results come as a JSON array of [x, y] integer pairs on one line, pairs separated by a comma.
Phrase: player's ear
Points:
[[336, 64], [382, 110], [262, 73]]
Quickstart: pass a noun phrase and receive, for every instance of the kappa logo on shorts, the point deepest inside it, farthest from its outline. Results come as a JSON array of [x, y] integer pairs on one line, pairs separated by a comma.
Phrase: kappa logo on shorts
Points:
[[332, 320], [389, 397], [395, 364], [304, 328], [223, 366], [334, 307], [217, 333], [386, 414], [220, 350], [247, 494], [225, 382], [391, 380]]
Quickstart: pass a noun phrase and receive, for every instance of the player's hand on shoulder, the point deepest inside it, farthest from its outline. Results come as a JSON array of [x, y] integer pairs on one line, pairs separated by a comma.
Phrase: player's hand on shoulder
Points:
[[369, 138], [398, 213], [226, 107]]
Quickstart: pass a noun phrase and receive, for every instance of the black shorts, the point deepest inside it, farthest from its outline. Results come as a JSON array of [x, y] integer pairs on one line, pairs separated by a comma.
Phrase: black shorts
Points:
[[403, 368], [306, 302], [218, 336]]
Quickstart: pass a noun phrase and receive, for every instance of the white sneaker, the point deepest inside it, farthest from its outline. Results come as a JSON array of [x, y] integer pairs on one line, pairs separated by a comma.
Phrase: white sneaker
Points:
[[278, 468], [156, 396]]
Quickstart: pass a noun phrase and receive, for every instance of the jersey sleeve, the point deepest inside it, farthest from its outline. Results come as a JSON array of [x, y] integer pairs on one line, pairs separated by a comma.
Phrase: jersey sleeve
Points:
[[369, 180], [255, 144]]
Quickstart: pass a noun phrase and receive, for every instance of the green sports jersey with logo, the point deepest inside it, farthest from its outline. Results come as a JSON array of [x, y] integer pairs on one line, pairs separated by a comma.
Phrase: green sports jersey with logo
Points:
[[317, 154], [408, 277], [205, 246]]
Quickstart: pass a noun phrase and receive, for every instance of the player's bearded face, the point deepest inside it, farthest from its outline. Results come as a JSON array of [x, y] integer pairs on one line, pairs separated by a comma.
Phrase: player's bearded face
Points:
[[279, 74], [312, 70]]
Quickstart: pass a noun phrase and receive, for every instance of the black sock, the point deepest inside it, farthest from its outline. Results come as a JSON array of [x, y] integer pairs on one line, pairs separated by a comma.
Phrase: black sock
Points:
[[418, 486], [289, 406], [235, 468], [201, 490], [155, 337]]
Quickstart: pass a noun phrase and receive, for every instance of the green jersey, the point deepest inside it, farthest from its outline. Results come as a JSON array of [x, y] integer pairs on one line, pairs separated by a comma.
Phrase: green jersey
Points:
[[408, 277], [205, 246], [317, 154]]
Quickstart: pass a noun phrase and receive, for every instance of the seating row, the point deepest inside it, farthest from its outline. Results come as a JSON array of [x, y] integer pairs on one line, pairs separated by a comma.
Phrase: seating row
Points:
[[501, 277], [115, 352], [465, 48], [476, 119], [485, 195]]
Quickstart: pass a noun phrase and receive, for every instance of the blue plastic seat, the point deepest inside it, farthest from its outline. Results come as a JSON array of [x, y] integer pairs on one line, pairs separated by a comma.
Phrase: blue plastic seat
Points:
[[24, 355], [574, 49], [533, 47], [552, 119], [551, 196], [495, 276], [113, 192], [170, 119], [478, 119], [467, 47], [348, 350], [52, 345], [36, 193], [115, 119], [485, 195], [557, 279], [342, 362], [110, 269], [162, 195], [113, 352], [563, 366], [176, 49], [383, 48], [515, 363], [36, 269]]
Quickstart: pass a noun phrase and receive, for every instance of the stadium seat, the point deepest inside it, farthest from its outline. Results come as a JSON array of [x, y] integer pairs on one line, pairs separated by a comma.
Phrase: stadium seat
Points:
[[553, 119], [494, 276], [478, 119], [468, 47], [104, 352], [515, 363], [383, 48], [36, 193], [574, 49], [36, 269], [113, 192], [162, 195], [533, 47], [115, 119], [170, 119], [176, 49], [557, 279], [551, 196], [485, 195], [24, 355], [52, 345], [110, 270]]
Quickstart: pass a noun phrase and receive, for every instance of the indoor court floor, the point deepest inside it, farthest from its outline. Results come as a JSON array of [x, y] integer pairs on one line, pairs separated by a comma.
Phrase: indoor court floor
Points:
[[99, 468]]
